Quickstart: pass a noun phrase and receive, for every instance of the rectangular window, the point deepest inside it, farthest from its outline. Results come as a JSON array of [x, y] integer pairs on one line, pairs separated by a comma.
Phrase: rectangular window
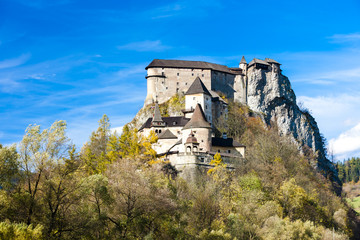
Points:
[[177, 83], [192, 74], [202, 75], [178, 74]]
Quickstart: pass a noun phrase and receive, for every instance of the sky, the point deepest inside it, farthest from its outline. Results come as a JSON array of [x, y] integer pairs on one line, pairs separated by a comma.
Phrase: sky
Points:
[[76, 60]]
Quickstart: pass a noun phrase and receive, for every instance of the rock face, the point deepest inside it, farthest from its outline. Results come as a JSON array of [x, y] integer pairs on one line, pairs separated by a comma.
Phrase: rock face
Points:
[[271, 94]]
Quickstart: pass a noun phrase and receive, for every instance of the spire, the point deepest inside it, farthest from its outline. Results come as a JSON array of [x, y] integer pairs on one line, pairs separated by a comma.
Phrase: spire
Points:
[[198, 119], [197, 87], [157, 114], [243, 60]]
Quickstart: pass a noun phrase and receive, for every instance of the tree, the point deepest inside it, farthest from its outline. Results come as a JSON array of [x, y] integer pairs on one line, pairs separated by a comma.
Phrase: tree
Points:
[[94, 152], [9, 167], [38, 151]]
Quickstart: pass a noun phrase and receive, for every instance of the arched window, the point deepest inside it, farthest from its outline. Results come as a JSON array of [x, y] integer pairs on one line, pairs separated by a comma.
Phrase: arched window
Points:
[[195, 149], [188, 149]]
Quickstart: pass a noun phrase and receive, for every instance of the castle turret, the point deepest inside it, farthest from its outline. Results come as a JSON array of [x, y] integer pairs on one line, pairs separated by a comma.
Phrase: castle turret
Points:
[[198, 94], [157, 121], [243, 65], [199, 126]]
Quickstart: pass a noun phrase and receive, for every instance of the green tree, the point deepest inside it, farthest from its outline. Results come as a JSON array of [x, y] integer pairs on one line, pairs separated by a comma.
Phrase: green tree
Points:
[[38, 151], [94, 152], [9, 167]]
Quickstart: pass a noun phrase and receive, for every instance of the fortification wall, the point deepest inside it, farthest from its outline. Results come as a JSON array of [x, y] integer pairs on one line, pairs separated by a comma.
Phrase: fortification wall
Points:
[[166, 82]]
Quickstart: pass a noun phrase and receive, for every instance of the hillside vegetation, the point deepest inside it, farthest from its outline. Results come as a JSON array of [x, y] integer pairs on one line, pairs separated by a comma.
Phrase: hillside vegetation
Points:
[[116, 188]]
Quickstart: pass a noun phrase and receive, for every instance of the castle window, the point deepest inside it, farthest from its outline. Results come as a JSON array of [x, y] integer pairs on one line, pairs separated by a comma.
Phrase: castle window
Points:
[[192, 74], [156, 131], [186, 83], [159, 131], [202, 159], [177, 83], [188, 149], [195, 149], [202, 140], [178, 74], [218, 150], [174, 123], [229, 151], [177, 89], [206, 106], [202, 75], [162, 82], [193, 98], [166, 87], [194, 132]]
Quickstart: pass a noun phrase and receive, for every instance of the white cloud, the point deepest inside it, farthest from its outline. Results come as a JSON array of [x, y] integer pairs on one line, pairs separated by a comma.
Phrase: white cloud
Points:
[[344, 38], [14, 62], [145, 46], [118, 130], [347, 143], [334, 113]]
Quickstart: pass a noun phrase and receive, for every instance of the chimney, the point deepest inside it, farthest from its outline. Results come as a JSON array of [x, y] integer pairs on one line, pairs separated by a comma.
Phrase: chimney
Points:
[[224, 136]]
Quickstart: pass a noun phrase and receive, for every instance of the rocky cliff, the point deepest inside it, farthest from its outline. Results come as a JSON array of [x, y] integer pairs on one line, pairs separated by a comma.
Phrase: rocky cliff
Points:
[[271, 94]]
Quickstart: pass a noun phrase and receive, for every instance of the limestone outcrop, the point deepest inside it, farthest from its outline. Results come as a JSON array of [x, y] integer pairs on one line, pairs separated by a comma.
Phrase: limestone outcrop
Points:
[[271, 94]]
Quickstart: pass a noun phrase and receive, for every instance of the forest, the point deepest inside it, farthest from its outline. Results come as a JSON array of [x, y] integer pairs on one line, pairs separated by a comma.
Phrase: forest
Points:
[[349, 170], [115, 187]]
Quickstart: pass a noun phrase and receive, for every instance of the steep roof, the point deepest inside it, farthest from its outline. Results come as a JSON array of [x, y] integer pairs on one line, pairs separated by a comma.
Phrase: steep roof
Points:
[[243, 60], [269, 60], [167, 135], [216, 97], [178, 121], [225, 142], [157, 114], [189, 64], [197, 87], [198, 119], [256, 60]]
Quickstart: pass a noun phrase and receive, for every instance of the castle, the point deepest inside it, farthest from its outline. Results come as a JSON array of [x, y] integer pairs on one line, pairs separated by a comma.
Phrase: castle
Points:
[[188, 141], [165, 78]]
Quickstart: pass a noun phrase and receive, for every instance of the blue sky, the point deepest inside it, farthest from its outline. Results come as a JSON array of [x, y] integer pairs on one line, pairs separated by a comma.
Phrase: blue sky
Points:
[[77, 60]]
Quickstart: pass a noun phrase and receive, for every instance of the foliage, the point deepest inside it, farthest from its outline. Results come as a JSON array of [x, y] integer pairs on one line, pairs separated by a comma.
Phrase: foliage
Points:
[[117, 188], [349, 170]]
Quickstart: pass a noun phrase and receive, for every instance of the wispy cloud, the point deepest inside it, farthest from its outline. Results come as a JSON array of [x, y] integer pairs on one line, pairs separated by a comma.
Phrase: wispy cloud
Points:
[[345, 38], [14, 62], [145, 46]]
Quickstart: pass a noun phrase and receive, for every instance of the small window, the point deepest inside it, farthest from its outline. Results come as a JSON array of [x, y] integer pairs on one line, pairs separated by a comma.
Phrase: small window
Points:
[[229, 151], [202, 140], [166, 87], [178, 74], [218, 150], [185, 83], [178, 132], [159, 131], [194, 132], [192, 74], [162, 82], [193, 98], [174, 123], [156, 131], [205, 106], [177, 83], [177, 89], [202, 75]]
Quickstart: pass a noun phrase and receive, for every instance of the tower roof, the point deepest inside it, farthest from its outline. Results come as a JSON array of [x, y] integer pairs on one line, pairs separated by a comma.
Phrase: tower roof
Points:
[[198, 119], [167, 135], [197, 87], [157, 114], [191, 138], [243, 60]]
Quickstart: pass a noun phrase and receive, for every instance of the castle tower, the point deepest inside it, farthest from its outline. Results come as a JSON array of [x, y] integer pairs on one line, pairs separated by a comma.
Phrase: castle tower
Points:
[[199, 126], [157, 122], [198, 94], [191, 144], [243, 65]]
